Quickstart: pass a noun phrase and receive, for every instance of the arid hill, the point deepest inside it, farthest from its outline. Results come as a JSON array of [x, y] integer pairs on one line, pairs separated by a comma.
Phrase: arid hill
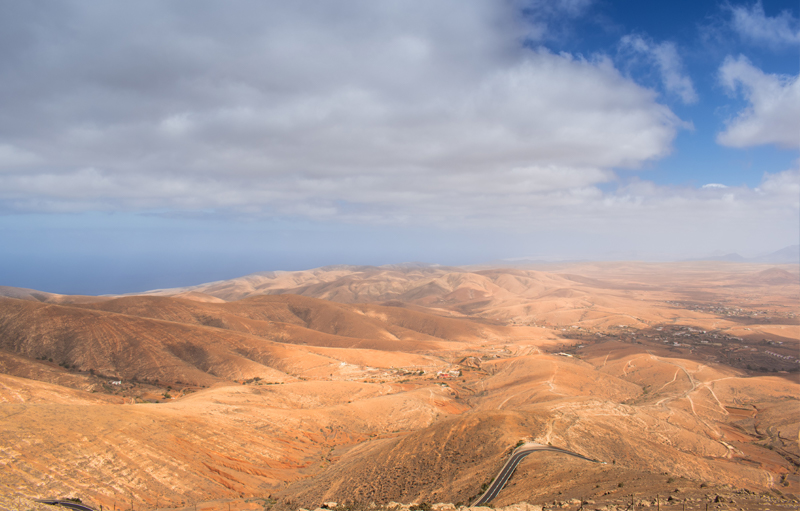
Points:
[[178, 340], [409, 384], [596, 295]]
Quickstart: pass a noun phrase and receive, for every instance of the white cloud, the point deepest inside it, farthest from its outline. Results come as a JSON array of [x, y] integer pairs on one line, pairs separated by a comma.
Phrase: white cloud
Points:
[[368, 113], [785, 183], [373, 111], [666, 59], [406, 113], [753, 24], [671, 221], [773, 116], [685, 222]]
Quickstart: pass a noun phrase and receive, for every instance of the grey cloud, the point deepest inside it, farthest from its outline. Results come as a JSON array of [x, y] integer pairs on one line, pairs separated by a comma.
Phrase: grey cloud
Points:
[[412, 111]]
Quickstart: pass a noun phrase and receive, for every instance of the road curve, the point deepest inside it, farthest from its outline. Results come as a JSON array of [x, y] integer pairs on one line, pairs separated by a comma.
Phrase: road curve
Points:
[[65, 503], [511, 465]]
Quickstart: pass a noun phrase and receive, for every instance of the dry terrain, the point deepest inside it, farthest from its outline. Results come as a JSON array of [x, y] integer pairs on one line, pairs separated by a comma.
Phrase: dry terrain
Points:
[[409, 384]]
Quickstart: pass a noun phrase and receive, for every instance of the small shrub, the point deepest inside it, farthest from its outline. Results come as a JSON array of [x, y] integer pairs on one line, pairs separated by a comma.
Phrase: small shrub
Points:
[[621, 485]]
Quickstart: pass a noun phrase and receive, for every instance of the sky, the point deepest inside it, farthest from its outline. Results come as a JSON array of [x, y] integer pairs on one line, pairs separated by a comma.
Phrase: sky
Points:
[[164, 143]]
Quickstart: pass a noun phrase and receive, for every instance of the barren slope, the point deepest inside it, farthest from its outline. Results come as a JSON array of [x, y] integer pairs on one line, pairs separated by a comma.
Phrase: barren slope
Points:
[[326, 384], [596, 295]]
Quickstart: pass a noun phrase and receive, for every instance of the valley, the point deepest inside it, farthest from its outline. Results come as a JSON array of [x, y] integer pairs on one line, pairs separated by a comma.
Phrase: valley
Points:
[[408, 384]]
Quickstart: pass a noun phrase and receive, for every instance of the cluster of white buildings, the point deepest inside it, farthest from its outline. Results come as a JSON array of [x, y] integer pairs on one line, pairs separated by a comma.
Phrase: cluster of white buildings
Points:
[[784, 357]]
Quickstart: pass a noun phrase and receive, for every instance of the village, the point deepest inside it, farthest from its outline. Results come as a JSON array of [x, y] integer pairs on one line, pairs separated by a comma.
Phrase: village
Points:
[[735, 313], [753, 354]]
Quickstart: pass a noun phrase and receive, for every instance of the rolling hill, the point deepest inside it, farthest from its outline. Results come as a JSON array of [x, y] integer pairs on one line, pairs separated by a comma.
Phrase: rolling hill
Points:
[[406, 383]]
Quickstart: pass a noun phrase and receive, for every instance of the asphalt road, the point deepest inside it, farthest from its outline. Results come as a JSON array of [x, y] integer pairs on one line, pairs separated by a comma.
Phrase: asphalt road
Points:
[[511, 465], [499, 482], [65, 503]]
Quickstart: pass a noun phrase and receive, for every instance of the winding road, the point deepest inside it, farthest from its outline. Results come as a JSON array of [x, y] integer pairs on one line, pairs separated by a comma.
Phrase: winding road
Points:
[[491, 492], [66, 503], [511, 465]]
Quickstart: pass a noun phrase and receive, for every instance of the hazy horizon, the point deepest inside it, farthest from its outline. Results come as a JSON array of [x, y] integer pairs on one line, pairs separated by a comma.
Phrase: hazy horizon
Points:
[[138, 278]]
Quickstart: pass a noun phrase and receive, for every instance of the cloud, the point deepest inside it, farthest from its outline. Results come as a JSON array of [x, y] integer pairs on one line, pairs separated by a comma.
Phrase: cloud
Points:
[[12, 157], [366, 113], [773, 114], [754, 25], [360, 111], [786, 183], [665, 57], [684, 221]]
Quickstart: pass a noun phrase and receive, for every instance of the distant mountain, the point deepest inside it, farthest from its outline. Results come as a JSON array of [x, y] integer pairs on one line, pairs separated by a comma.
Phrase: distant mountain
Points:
[[786, 255], [728, 258]]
